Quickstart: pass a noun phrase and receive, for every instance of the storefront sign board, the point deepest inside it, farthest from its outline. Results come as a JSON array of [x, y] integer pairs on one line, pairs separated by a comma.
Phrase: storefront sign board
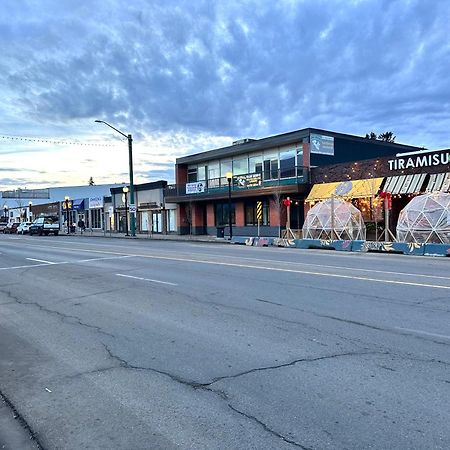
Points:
[[416, 160], [195, 188], [248, 180]]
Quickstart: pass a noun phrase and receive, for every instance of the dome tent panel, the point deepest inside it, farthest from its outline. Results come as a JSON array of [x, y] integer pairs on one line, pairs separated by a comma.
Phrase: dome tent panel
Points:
[[426, 219], [348, 223]]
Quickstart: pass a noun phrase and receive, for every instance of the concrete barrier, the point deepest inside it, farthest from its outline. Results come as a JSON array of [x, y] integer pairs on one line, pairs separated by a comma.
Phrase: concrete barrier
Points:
[[401, 248], [404, 248], [437, 250]]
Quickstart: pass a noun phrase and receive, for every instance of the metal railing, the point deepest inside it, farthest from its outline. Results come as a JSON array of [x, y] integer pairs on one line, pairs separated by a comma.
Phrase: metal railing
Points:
[[248, 181]]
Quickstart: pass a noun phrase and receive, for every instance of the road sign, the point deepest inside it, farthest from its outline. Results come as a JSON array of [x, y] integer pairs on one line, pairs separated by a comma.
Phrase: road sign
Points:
[[259, 210], [132, 209]]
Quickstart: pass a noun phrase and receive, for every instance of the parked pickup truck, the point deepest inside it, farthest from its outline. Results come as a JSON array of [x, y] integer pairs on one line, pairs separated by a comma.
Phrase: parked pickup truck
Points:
[[45, 225]]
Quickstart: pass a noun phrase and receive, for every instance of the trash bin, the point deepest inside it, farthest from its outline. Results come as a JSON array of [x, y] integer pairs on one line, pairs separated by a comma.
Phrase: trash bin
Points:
[[220, 232]]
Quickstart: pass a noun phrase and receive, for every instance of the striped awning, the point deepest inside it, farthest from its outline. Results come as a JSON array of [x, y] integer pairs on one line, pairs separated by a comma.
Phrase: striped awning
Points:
[[439, 182], [354, 189], [404, 184]]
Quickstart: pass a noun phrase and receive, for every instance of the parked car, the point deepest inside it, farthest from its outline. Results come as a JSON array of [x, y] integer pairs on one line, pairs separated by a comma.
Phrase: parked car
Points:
[[3, 225], [45, 225], [11, 228], [24, 228]]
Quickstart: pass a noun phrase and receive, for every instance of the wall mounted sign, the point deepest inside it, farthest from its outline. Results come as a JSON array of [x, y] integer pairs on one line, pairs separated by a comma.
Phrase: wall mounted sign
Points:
[[414, 160], [322, 145], [195, 188], [95, 202], [249, 180]]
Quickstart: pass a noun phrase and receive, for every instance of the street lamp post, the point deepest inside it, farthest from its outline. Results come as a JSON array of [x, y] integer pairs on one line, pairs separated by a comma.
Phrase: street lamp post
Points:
[[229, 176], [125, 191], [130, 162], [66, 203]]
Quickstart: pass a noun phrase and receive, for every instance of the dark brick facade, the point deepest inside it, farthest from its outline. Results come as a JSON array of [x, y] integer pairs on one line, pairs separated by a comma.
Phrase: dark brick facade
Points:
[[369, 168]]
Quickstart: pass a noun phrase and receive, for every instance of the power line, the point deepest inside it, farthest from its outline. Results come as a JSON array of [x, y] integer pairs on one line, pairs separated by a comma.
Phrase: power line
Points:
[[52, 141]]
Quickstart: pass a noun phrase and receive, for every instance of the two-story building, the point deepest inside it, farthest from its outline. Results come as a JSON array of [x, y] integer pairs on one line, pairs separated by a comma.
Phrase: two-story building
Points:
[[261, 172]]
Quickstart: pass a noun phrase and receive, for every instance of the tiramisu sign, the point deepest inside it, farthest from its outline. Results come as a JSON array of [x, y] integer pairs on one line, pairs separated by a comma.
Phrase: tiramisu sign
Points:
[[415, 160]]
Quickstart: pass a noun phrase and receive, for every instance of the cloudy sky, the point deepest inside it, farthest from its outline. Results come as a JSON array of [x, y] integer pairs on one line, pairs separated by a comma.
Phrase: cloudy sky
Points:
[[187, 76]]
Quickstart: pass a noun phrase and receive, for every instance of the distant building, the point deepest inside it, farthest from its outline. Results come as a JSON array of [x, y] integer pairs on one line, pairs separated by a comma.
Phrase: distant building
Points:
[[86, 202]]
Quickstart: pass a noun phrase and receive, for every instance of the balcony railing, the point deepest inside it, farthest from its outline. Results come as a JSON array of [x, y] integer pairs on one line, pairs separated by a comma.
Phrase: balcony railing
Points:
[[248, 181]]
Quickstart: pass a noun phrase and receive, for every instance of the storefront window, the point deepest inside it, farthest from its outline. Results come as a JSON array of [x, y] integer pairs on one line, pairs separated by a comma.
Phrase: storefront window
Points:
[[172, 219], [251, 215], [221, 214], [144, 221], [371, 208], [96, 218], [156, 222]]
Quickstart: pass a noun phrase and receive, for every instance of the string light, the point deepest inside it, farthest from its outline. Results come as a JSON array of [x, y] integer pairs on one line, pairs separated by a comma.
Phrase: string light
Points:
[[53, 141]]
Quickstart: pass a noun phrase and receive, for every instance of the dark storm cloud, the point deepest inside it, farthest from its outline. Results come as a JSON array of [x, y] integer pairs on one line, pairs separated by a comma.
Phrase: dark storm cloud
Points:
[[247, 68]]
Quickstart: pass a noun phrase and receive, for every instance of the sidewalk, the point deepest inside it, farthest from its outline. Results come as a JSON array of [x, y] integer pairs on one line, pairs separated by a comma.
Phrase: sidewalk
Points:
[[151, 236]]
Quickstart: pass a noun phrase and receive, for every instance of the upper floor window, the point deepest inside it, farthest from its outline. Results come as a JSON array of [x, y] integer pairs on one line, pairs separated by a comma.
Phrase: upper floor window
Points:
[[287, 163], [192, 174], [240, 166]]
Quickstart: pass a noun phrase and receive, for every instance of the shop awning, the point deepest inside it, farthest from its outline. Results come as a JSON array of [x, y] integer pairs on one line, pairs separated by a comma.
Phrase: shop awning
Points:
[[78, 204], [404, 184], [439, 182], [346, 189]]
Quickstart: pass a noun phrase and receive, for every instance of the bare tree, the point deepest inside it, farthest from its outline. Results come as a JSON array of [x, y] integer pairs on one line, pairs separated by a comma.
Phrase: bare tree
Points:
[[276, 196]]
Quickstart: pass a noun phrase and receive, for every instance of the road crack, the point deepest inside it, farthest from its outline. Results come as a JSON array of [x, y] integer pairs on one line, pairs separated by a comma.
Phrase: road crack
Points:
[[21, 420], [267, 428], [64, 317], [222, 394]]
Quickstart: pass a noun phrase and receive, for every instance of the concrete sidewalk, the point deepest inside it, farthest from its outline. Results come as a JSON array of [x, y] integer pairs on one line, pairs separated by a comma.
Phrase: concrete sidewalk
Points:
[[151, 236]]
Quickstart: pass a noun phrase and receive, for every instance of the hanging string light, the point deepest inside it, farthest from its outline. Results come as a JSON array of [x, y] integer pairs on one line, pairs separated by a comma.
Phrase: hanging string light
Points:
[[52, 141]]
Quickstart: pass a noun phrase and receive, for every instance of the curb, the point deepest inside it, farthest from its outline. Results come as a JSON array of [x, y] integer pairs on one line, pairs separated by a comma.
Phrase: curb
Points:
[[402, 248]]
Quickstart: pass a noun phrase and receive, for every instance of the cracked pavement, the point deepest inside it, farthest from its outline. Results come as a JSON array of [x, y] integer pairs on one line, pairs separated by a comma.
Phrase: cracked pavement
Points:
[[241, 351]]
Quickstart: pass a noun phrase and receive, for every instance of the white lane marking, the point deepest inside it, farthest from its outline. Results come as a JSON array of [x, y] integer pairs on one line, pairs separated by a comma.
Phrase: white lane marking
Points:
[[426, 333], [276, 269], [42, 261], [48, 263], [418, 275], [102, 259], [26, 267], [146, 279]]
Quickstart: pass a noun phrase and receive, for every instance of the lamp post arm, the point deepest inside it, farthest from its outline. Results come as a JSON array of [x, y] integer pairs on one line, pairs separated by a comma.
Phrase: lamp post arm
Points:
[[110, 126]]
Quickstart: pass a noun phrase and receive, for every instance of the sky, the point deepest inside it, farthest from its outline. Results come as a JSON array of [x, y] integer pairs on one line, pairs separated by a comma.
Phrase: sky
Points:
[[185, 76]]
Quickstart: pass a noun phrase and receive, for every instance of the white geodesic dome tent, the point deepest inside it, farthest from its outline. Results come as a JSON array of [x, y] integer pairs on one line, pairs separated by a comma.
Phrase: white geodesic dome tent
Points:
[[426, 218], [348, 222]]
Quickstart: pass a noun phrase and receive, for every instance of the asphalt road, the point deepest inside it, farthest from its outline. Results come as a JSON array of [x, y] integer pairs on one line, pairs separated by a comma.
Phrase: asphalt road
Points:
[[126, 344]]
